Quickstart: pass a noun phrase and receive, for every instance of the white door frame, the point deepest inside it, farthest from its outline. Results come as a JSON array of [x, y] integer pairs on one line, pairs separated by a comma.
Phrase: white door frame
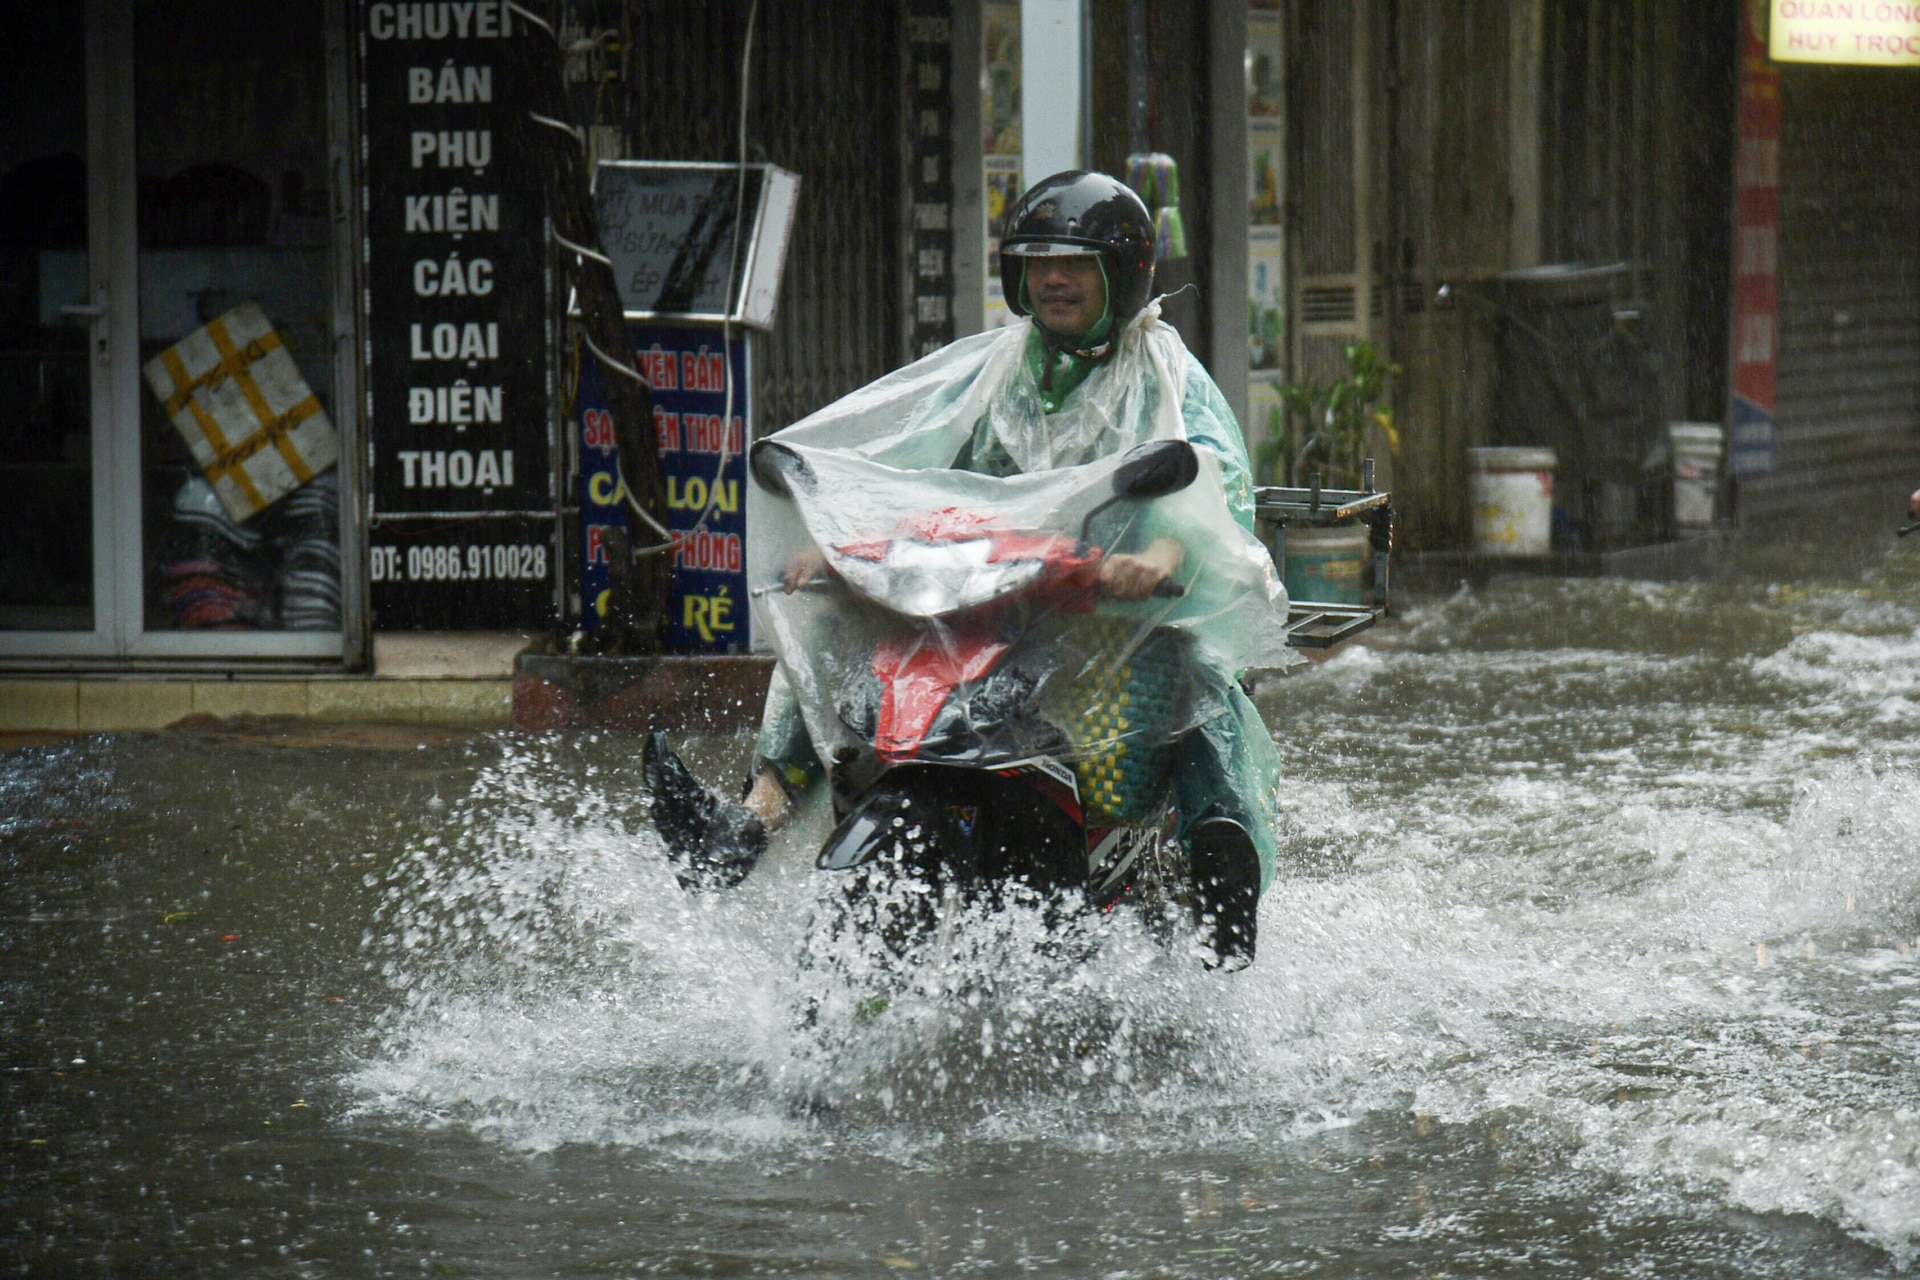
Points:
[[119, 636]]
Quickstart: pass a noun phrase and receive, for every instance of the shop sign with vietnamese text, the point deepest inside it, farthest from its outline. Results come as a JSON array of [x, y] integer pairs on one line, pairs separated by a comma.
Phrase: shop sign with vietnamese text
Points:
[[1869, 33], [703, 462], [458, 352]]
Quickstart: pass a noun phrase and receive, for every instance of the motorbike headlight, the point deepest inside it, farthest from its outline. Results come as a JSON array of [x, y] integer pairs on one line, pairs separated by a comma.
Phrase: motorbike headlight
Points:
[[930, 579]]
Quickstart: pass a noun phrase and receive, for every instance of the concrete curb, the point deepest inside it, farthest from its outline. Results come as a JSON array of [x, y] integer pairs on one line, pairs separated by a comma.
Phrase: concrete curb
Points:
[[679, 692], [113, 703]]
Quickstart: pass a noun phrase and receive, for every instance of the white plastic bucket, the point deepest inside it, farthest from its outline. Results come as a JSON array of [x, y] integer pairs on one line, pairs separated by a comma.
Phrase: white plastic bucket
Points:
[[1512, 492], [1696, 473]]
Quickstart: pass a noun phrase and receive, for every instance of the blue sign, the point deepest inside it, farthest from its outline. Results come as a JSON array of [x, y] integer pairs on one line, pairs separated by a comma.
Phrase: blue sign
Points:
[[703, 460], [1751, 450]]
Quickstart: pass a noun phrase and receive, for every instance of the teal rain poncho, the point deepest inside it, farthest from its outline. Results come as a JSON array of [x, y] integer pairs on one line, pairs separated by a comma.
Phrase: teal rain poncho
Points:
[[963, 430]]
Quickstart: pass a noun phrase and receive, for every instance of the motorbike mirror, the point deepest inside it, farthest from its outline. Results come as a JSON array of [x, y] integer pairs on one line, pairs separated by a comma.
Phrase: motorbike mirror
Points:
[[776, 466], [1150, 470], [1156, 468]]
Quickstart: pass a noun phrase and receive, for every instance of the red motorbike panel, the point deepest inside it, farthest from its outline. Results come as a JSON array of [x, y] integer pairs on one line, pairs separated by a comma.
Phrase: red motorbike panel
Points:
[[917, 677]]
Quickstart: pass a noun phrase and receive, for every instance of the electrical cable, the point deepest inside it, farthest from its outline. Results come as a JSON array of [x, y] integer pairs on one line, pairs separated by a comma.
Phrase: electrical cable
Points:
[[562, 126], [672, 540], [538, 21], [583, 253], [733, 266]]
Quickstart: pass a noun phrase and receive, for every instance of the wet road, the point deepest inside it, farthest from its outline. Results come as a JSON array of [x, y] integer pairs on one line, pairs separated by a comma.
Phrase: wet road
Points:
[[1596, 956]]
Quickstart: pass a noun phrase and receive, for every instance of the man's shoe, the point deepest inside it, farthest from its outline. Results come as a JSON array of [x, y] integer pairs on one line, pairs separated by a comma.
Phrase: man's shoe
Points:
[[1226, 890], [712, 843]]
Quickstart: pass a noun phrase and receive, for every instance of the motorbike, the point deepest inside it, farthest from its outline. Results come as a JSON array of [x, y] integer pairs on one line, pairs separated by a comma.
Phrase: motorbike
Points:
[[990, 724], [1005, 733]]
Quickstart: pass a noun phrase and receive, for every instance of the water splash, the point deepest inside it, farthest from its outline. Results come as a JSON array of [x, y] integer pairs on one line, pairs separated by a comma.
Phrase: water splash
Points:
[[553, 984], [1645, 906]]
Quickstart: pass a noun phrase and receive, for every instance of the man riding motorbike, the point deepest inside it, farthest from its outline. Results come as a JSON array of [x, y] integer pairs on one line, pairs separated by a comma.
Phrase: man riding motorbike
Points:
[[1077, 258]]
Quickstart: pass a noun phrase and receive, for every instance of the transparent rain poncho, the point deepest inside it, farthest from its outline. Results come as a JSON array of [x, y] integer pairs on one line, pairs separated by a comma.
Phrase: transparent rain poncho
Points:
[[962, 529]]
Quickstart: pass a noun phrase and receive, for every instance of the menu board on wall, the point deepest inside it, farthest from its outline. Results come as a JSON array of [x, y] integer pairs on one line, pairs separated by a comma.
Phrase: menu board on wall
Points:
[[459, 422], [1267, 300], [1000, 137], [930, 179]]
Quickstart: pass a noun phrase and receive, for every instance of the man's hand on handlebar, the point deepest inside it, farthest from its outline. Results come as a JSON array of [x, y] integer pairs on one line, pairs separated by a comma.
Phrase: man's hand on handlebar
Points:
[[807, 564], [1137, 577]]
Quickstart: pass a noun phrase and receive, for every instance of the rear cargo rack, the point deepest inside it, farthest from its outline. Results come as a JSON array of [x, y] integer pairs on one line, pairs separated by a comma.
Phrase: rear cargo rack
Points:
[[1319, 624]]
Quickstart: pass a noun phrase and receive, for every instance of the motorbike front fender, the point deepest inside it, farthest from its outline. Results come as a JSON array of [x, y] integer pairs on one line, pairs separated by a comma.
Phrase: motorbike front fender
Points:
[[877, 825], [965, 826]]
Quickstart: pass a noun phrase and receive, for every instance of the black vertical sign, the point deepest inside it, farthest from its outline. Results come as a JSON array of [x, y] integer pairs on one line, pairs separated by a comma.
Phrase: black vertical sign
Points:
[[458, 361], [930, 104]]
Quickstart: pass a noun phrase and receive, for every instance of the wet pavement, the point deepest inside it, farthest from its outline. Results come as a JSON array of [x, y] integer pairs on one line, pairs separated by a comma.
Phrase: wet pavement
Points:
[[1597, 954]]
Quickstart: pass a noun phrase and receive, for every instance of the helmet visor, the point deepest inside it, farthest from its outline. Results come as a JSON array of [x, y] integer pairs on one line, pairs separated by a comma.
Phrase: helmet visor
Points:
[[1049, 249]]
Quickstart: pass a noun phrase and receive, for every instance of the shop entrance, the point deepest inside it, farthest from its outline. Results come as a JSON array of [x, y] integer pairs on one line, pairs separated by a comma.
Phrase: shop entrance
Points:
[[166, 162]]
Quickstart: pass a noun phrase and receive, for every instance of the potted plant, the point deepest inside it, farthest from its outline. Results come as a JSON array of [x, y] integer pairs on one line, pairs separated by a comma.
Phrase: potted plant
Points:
[[1334, 420], [1323, 429]]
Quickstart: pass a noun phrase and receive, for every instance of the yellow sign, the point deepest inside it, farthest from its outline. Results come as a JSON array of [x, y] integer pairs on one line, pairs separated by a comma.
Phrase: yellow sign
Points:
[[1868, 33]]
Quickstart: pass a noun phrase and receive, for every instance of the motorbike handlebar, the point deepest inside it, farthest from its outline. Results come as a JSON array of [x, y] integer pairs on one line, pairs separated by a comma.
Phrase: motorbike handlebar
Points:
[[811, 584], [1168, 590]]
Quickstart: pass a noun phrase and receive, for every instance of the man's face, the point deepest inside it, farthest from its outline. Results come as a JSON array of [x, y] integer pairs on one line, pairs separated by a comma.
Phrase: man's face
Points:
[[1068, 292]]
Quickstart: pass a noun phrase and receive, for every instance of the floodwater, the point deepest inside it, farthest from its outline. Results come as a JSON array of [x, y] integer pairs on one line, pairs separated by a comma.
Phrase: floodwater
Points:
[[1596, 956]]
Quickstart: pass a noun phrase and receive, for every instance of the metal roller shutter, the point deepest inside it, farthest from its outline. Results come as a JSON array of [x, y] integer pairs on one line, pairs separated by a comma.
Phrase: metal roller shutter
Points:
[[826, 103], [1849, 345]]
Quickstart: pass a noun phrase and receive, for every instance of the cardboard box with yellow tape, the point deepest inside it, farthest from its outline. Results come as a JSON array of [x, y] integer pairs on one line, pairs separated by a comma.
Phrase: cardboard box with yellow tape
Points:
[[237, 398]]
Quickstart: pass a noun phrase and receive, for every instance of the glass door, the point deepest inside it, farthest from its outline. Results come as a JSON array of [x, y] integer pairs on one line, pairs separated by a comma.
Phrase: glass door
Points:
[[237, 492], [50, 377], [176, 487]]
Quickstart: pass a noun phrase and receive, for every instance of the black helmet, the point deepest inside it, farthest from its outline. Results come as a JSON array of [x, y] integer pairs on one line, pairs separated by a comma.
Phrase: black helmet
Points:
[[1082, 212]]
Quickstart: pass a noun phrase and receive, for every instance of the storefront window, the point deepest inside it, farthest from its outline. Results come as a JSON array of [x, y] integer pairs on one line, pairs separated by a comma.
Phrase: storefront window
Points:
[[239, 501]]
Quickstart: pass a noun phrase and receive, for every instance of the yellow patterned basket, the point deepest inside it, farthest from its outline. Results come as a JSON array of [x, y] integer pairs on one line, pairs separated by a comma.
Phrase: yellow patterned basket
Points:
[[1120, 711], [237, 398]]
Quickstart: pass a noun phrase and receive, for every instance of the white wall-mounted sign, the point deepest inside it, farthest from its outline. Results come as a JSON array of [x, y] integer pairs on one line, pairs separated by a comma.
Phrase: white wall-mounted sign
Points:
[[670, 229]]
